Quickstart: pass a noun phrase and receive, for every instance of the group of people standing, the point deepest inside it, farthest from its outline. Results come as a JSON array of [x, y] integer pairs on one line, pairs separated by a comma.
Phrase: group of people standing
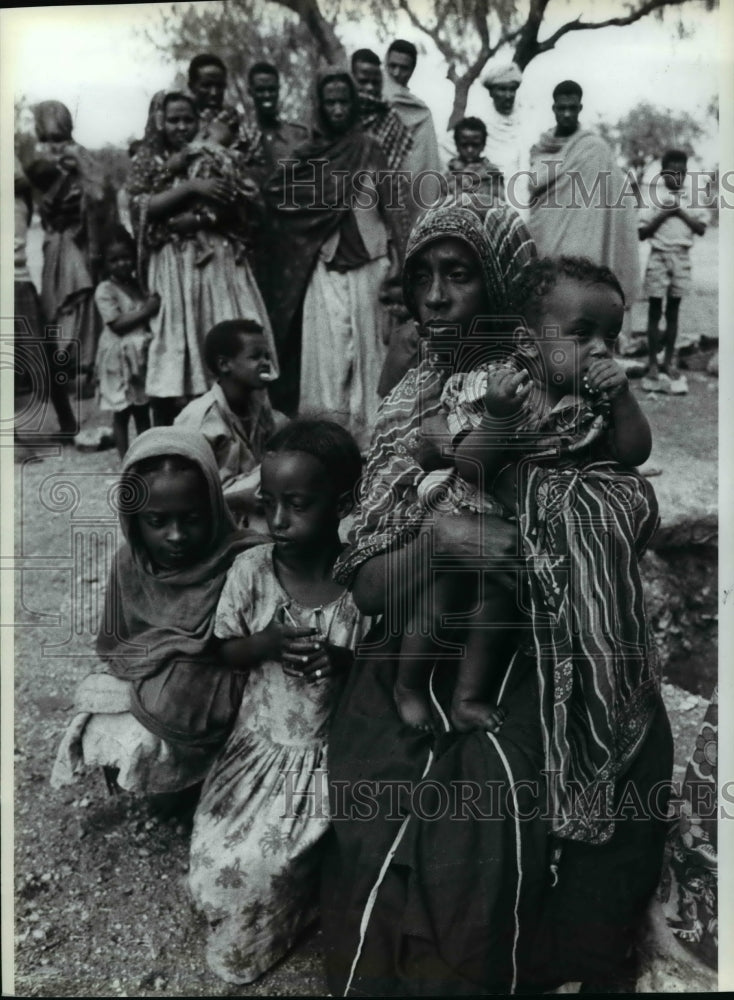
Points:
[[482, 634]]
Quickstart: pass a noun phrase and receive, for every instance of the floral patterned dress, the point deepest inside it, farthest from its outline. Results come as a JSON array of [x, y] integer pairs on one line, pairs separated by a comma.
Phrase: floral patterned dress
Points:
[[255, 847]]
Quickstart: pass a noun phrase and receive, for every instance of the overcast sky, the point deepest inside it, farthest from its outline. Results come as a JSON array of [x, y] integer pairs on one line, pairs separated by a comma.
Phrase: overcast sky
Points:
[[95, 59]]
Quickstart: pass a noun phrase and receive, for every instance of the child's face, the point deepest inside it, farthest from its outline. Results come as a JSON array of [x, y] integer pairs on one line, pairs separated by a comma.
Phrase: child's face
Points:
[[675, 173], [120, 262], [299, 501], [175, 522], [250, 367], [579, 322], [448, 287], [179, 124], [469, 144]]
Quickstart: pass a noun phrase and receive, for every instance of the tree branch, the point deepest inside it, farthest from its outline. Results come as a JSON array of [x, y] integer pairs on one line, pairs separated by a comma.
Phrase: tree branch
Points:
[[433, 33], [613, 22]]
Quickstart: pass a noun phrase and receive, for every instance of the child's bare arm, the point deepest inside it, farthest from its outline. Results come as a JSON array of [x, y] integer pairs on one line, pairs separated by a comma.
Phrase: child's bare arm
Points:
[[483, 451], [630, 437], [128, 321], [695, 225], [646, 230], [272, 643]]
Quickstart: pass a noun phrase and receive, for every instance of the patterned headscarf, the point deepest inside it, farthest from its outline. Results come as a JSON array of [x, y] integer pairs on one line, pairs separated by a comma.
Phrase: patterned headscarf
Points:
[[500, 242], [390, 512]]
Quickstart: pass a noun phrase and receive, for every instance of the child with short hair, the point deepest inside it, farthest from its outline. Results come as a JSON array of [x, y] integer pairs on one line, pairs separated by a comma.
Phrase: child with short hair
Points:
[[123, 344], [471, 172], [560, 399], [235, 415], [163, 702], [669, 223], [255, 847]]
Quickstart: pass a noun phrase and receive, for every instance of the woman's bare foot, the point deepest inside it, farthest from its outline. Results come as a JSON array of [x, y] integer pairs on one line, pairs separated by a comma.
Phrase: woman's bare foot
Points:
[[473, 714], [413, 707]]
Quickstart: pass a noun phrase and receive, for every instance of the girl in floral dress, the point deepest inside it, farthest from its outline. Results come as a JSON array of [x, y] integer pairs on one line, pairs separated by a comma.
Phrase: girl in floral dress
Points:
[[255, 848]]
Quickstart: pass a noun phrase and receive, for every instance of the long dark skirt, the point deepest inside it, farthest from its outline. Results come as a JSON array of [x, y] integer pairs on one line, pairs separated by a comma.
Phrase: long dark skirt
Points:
[[438, 875]]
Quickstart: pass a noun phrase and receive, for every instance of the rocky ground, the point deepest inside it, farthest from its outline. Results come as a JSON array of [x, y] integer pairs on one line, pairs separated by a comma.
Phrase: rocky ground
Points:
[[101, 904]]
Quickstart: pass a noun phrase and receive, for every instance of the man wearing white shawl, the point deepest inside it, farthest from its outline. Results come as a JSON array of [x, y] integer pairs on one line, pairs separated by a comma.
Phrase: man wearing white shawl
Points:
[[416, 116], [504, 134], [581, 202]]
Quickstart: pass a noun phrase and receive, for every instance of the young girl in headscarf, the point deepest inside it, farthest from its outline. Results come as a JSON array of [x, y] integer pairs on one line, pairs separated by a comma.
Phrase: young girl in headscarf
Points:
[[195, 293], [161, 706], [75, 209], [335, 242]]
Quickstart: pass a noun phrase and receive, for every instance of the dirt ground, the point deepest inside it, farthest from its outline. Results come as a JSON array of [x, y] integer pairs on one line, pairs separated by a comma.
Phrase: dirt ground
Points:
[[101, 904]]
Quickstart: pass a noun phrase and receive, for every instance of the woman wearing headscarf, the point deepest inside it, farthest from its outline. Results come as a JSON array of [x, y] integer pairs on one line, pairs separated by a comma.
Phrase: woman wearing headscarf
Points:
[[445, 876], [76, 207], [196, 292], [335, 233]]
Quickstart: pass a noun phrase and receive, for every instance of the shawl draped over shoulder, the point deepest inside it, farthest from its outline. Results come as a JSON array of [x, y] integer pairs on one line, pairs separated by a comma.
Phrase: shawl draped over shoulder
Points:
[[309, 200], [575, 171], [158, 624], [389, 511]]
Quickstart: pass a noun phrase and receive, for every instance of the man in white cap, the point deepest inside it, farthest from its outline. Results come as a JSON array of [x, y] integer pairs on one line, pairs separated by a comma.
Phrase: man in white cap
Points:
[[504, 139]]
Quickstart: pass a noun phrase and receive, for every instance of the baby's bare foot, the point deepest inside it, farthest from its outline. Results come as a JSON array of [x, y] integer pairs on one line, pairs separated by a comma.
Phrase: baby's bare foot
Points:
[[472, 714], [413, 707]]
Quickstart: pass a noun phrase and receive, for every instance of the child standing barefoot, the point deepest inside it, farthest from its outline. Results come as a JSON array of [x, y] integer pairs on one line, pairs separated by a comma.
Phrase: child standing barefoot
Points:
[[123, 345], [162, 702], [255, 848]]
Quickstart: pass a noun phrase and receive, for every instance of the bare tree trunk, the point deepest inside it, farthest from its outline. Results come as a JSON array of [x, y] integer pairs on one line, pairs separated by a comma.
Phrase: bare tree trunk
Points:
[[329, 47], [462, 86]]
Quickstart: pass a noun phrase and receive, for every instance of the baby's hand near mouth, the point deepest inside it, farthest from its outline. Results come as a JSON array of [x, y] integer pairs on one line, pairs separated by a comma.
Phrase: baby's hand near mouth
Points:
[[606, 377]]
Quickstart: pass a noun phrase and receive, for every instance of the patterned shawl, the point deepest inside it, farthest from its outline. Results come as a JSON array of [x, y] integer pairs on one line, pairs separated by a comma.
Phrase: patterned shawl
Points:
[[390, 512], [386, 125], [583, 528]]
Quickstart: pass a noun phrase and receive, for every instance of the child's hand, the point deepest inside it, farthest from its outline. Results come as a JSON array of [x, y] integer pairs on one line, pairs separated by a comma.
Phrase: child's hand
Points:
[[153, 303], [176, 163], [605, 376], [283, 642], [324, 660], [506, 390]]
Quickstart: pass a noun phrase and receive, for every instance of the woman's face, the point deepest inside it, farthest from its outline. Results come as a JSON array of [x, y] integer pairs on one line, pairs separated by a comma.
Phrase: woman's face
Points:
[[336, 101], [448, 287], [179, 124]]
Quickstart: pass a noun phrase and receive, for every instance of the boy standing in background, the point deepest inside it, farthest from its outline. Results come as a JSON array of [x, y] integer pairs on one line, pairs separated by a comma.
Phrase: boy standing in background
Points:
[[670, 222]]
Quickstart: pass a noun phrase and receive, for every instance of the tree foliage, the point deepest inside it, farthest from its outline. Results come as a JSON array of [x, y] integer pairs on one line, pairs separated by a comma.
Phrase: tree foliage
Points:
[[242, 32], [644, 133], [300, 35]]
